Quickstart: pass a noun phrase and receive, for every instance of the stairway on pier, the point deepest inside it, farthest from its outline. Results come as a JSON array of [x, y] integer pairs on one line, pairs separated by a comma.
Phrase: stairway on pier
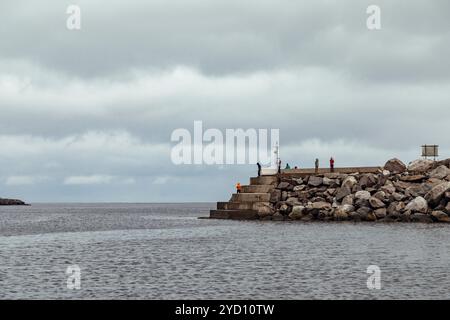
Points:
[[245, 205]]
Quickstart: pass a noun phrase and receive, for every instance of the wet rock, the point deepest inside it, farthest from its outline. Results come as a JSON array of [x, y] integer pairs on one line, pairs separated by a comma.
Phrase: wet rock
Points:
[[371, 216], [395, 166], [278, 217], [420, 217], [355, 216]]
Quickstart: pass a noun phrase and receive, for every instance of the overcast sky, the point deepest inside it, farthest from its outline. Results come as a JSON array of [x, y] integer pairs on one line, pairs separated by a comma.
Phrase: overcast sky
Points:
[[87, 115]]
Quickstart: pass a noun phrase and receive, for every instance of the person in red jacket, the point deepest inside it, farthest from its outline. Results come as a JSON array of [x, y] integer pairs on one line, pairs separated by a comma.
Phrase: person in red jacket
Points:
[[331, 164]]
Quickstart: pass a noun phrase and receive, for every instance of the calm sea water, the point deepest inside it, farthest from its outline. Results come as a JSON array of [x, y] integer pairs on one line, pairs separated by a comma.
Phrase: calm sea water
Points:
[[162, 251]]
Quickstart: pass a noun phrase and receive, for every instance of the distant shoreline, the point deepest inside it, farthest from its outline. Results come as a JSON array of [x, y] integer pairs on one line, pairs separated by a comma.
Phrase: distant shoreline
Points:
[[12, 202]]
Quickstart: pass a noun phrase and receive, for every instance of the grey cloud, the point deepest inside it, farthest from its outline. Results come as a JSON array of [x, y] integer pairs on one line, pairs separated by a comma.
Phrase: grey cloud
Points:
[[100, 104]]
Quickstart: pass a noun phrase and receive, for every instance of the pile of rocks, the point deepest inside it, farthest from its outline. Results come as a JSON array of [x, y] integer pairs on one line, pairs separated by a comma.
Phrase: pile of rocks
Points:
[[419, 192]]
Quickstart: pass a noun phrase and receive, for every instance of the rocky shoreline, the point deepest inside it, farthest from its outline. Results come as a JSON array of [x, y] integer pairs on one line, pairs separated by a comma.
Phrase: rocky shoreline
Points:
[[12, 202], [419, 192]]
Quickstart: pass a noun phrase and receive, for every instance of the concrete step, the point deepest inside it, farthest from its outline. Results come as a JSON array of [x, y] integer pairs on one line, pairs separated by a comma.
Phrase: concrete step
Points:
[[240, 205], [258, 188], [266, 180], [250, 197], [234, 214]]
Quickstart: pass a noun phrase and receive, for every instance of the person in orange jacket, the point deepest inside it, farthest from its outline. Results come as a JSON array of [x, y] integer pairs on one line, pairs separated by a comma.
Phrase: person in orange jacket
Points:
[[238, 187]]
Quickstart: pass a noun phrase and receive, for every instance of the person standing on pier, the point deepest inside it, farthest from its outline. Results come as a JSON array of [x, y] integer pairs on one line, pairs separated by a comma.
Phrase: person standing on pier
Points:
[[279, 166], [331, 164], [238, 187], [259, 168], [317, 165]]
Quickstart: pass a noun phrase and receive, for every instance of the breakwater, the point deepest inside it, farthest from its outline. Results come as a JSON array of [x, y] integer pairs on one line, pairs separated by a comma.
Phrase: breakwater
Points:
[[419, 192]]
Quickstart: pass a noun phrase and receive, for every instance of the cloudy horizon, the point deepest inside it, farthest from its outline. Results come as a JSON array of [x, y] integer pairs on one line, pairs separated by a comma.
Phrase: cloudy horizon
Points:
[[87, 115]]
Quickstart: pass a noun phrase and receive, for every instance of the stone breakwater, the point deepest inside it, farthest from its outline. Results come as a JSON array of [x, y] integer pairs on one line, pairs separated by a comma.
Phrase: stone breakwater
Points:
[[419, 192]]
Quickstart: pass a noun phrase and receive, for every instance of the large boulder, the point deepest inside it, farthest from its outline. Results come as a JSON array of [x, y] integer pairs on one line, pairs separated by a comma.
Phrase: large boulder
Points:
[[420, 217], [413, 178], [440, 172], [420, 165], [445, 162], [321, 205], [315, 181], [277, 216], [395, 166], [349, 182], [368, 180], [342, 212], [285, 186], [342, 192], [376, 203], [264, 209], [285, 209], [435, 195], [380, 213], [364, 195], [275, 196], [419, 204], [348, 199], [297, 212], [440, 216]]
